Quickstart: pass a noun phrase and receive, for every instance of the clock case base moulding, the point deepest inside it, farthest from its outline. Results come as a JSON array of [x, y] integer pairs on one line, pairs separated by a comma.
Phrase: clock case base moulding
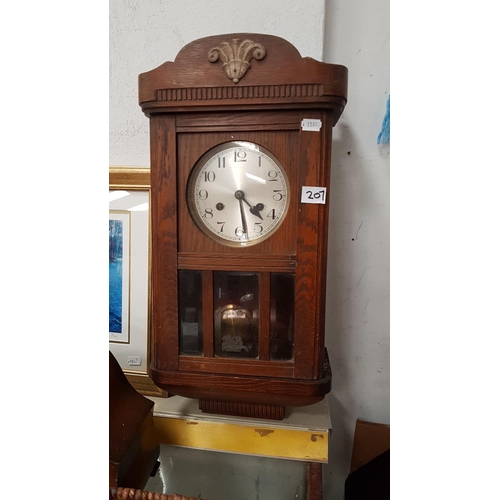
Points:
[[245, 396]]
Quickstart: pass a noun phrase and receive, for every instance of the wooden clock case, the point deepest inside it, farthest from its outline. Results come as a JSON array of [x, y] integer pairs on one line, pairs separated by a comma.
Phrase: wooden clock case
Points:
[[241, 87]]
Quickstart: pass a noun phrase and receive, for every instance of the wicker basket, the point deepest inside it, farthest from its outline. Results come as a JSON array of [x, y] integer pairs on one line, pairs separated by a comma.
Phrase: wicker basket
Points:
[[133, 494]]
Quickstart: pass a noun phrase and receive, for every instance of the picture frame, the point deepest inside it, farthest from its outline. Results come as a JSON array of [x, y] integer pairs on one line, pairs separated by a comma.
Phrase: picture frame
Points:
[[119, 276], [130, 275]]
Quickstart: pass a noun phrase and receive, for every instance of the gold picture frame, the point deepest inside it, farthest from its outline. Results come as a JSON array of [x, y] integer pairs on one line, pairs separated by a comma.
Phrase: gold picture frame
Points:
[[138, 179]]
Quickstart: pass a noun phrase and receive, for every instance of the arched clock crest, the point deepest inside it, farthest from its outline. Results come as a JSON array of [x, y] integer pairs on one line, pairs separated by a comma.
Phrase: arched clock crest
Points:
[[240, 178]]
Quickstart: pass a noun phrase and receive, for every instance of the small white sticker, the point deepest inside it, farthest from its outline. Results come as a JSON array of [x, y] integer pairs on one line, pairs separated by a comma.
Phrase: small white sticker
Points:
[[311, 124], [315, 195], [134, 361]]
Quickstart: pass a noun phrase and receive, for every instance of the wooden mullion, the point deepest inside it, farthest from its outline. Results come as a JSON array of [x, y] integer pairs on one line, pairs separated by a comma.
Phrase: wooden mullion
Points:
[[264, 315], [208, 313]]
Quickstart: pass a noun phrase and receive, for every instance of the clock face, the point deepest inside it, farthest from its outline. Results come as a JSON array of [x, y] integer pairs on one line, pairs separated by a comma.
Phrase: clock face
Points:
[[238, 193]]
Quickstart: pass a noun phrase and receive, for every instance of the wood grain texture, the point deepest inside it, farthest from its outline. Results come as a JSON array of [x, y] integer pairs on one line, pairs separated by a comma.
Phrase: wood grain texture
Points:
[[255, 367], [248, 410], [314, 481], [164, 240], [230, 261], [370, 440], [133, 444], [192, 146], [140, 494], [144, 385], [323, 222], [282, 78], [193, 107], [244, 389]]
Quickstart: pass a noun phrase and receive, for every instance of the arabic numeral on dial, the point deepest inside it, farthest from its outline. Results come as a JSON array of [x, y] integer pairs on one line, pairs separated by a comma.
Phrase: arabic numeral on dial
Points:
[[277, 194], [203, 194], [221, 162], [209, 176], [239, 232], [240, 156], [221, 224], [273, 175], [208, 214], [257, 228], [272, 214]]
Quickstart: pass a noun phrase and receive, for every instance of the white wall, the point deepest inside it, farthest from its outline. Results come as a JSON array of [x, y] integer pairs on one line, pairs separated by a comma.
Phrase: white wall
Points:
[[355, 33], [357, 317], [146, 33]]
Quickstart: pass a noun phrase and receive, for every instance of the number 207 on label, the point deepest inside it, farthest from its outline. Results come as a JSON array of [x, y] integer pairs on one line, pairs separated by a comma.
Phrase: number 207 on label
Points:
[[313, 195]]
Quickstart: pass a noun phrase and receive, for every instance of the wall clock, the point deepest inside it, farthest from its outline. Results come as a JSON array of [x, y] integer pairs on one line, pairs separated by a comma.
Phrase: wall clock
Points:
[[221, 185], [240, 134]]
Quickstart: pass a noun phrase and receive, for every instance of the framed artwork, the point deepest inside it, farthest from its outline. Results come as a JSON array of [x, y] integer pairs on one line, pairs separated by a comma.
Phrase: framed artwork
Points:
[[119, 275], [129, 275]]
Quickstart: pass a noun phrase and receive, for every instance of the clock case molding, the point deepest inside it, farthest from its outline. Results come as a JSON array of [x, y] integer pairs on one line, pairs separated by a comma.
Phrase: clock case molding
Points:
[[241, 87]]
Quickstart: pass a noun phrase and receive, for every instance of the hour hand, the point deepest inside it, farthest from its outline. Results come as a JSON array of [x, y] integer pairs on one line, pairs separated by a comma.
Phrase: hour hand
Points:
[[255, 210]]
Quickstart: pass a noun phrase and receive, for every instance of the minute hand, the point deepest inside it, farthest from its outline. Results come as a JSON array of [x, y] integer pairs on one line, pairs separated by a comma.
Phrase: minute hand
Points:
[[243, 218], [254, 210]]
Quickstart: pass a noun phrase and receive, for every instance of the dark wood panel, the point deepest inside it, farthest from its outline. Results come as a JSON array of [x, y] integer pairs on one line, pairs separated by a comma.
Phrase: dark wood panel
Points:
[[164, 241], [284, 145], [308, 230], [247, 410], [225, 262], [314, 481], [194, 107], [241, 388], [260, 120], [282, 78], [133, 445], [230, 366], [324, 168]]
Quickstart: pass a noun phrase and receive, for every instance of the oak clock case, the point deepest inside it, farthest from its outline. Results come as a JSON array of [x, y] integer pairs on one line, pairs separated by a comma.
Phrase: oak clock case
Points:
[[238, 259]]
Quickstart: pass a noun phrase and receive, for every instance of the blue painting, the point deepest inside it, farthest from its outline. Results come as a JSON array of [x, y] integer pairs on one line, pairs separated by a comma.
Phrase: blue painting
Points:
[[118, 277], [115, 275]]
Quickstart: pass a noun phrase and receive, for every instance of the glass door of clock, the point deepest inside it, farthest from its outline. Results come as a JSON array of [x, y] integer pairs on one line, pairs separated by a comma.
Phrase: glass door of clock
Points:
[[237, 315], [281, 316], [190, 313]]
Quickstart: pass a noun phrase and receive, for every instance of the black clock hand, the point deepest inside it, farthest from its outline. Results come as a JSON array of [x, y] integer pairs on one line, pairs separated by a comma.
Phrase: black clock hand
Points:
[[255, 210], [243, 217]]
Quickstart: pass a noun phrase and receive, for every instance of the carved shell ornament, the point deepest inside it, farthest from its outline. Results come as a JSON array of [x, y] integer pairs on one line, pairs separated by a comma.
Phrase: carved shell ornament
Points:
[[236, 57]]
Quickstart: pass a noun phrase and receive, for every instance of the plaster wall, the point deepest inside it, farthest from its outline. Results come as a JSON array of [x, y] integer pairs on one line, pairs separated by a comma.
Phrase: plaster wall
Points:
[[357, 316], [146, 33], [355, 33]]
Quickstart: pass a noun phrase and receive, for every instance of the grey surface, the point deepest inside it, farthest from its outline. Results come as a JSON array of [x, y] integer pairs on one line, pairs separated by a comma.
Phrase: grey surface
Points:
[[216, 475], [312, 418]]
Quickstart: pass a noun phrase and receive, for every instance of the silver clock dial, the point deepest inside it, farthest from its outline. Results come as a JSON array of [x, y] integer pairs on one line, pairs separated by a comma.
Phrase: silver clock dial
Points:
[[238, 193]]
